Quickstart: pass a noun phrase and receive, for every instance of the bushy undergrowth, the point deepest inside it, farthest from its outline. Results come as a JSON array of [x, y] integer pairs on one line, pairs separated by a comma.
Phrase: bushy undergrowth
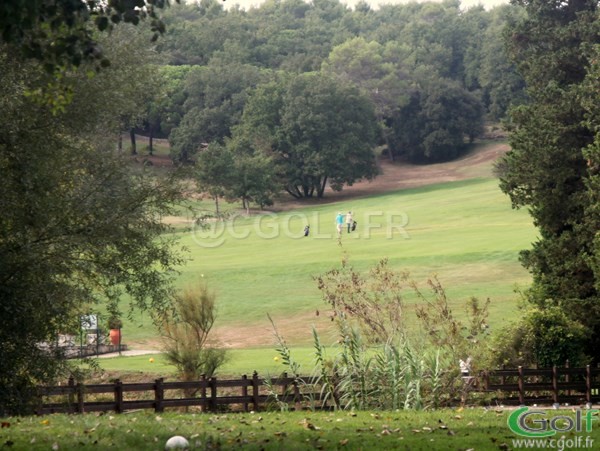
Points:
[[381, 362], [543, 336]]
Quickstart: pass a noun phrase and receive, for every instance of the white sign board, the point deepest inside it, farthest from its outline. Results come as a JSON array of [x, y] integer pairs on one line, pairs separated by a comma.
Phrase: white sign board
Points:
[[89, 322]]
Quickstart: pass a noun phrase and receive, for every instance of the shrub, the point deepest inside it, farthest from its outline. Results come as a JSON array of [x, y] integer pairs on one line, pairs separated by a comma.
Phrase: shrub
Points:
[[544, 336], [186, 334]]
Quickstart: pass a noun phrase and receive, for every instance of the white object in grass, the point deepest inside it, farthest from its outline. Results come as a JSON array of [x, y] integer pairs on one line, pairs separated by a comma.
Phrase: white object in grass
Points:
[[177, 442]]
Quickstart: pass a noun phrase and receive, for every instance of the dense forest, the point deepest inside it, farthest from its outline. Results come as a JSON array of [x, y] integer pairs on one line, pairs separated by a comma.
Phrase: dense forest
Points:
[[421, 77]]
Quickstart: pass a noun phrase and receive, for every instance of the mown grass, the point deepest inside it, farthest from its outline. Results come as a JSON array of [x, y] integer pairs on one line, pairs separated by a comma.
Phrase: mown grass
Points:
[[473, 428], [264, 361], [465, 232]]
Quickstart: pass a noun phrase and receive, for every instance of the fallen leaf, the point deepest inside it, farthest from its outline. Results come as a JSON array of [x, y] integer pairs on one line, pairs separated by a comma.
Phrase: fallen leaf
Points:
[[55, 446], [5, 424], [450, 432], [308, 425], [427, 429], [344, 442], [385, 432], [457, 417], [45, 422]]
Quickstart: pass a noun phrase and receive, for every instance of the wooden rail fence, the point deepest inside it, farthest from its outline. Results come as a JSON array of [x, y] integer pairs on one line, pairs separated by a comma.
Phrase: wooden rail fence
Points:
[[556, 385], [521, 386], [210, 394]]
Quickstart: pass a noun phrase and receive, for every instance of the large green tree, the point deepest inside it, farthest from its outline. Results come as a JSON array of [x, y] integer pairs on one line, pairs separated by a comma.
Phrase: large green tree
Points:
[[437, 122], [61, 32], [213, 171], [318, 130], [377, 71], [590, 95], [546, 170], [215, 97], [77, 228]]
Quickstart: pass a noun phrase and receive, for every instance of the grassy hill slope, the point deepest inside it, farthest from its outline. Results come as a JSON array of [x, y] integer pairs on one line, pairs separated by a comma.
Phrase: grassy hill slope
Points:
[[463, 231]]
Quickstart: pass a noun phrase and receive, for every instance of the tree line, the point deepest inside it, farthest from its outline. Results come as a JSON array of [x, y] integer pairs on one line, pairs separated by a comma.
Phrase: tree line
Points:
[[416, 80]]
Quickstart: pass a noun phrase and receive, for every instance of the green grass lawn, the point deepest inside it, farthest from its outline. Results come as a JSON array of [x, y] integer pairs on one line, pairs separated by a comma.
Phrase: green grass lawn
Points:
[[457, 429], [265, 361], [465, 232]]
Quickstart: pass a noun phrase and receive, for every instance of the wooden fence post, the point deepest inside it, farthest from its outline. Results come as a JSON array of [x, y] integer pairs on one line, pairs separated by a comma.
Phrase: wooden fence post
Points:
[[245, 392], [118, 396], [284, 387], [555, 384], [255, 391], [80, 400], [567, 377], [297, 398], [588, 385], [159, 395], [213, 394], [203, 404], [521, 386], [71, 395]]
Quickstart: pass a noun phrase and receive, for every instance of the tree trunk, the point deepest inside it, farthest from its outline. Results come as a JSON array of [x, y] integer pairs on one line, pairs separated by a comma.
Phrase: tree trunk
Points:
[[120, 143], [133, 145], [322, 187], [296, 191], [291, 193], [151, 140], [387, 144], [306, 189], [217, 204]]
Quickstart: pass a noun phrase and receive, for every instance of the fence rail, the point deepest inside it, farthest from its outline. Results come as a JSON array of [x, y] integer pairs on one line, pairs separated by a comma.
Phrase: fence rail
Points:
[[210, 394], [522, 386], [556, 385]]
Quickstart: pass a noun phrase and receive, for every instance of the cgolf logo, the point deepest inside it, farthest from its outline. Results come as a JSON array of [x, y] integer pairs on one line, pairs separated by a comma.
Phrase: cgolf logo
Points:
[[536, 424]]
